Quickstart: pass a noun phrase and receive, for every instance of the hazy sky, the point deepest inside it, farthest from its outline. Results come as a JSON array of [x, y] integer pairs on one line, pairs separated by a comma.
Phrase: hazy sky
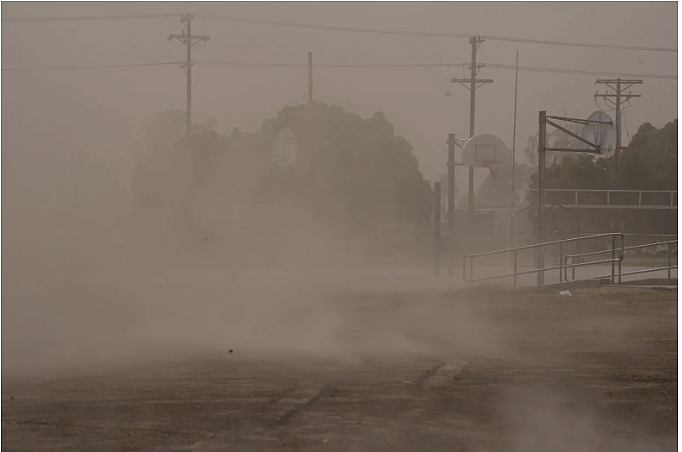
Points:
[[98, 109]]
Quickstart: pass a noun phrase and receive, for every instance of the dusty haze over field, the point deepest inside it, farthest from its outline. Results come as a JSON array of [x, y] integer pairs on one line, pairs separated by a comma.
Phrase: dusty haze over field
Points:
[[98, 109], [67, 133]]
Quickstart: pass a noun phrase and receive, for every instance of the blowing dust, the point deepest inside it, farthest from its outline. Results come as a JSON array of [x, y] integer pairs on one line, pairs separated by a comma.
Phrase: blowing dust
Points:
[[90, 280]]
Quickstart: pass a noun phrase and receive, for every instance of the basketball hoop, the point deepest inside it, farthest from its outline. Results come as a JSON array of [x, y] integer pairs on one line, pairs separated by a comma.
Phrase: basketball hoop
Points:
[[487, 163]]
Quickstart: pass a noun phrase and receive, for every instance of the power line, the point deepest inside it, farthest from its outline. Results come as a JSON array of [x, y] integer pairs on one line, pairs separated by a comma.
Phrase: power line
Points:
[[361, 66], [581, 72], [335, 28], [347, 29], [331, 66], [435, 34], [99, 66], [580, 44], [80, 18]]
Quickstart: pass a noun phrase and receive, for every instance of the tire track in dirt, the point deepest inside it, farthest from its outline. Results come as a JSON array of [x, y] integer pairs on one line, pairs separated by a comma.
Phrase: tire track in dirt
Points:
[[303, 400], [259, 425], [419, 383]]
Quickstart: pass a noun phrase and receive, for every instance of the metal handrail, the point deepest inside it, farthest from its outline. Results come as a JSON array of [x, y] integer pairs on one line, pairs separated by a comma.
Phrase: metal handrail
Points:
[[669, 267], [598, 190], [561, 265]]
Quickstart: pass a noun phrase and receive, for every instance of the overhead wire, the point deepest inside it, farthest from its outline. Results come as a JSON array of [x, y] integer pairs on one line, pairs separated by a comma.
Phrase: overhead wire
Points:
[[348, 29], [435, 34], [581, 72], [333, 66], [364, 66], [84, 18], [99, 66]]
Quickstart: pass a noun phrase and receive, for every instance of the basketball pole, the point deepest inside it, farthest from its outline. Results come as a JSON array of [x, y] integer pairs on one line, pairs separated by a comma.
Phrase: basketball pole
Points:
[[451, 205], [310, 77], [540, 200], [436, 229]]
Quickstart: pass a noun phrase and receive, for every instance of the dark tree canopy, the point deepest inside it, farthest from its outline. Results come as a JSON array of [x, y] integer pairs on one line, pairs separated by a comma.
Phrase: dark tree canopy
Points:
[[353, 175], [649, 163]]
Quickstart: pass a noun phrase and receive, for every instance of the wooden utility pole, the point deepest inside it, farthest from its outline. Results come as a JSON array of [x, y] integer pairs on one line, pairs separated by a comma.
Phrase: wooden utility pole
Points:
[[475, 41], [620, 98], [189, 40], [516, 93]]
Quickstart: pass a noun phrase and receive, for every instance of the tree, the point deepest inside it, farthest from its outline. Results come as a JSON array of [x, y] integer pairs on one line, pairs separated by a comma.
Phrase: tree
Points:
[[353, 176], [649, 163]]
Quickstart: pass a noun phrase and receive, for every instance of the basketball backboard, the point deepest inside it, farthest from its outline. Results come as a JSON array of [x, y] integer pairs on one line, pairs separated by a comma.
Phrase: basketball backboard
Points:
[[599, 130], [485, 150], [285, 149]]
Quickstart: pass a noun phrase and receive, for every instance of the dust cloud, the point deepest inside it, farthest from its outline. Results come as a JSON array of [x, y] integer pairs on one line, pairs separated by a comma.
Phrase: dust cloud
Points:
[[90, 280]]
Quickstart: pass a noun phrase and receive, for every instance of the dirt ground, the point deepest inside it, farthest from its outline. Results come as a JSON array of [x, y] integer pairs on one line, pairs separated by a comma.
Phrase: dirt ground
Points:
[[469, 370]]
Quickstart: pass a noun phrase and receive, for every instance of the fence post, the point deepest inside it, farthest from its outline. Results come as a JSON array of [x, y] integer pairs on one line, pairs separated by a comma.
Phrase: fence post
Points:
[[515, 265], [436, 230], [670, 254]]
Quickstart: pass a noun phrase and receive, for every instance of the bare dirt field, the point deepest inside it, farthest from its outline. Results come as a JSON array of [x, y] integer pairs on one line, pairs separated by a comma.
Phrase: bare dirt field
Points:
[[467, 370]]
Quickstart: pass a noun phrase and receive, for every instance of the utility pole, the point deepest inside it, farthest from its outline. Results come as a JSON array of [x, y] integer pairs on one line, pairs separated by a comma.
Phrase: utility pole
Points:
[[189, 40], [516, 93], [475, 41], [620, 98]]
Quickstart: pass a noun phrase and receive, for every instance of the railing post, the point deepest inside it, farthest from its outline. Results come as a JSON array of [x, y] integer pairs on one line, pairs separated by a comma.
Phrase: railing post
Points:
[[576, 197], [670, 254], [608, 198], [471, 272], [613, 259], [561, 262], [464, 268], [622, 256], [515, 264], [640, 199]]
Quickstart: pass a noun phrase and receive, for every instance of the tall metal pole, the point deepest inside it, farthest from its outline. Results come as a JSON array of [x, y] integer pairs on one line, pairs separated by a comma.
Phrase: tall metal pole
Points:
[[542, 145], [436, 229], [310, 76], [617, 165], [188, 18], [451, 205], [516, 93], [472, 115]]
